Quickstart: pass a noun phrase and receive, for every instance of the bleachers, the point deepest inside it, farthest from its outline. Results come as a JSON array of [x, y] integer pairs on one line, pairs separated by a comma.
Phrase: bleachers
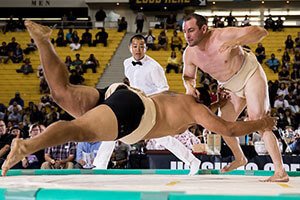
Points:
[[28, 85], [275, 43]]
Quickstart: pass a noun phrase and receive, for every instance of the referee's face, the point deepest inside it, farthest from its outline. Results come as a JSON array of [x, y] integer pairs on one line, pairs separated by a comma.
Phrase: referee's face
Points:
[[138, 49]]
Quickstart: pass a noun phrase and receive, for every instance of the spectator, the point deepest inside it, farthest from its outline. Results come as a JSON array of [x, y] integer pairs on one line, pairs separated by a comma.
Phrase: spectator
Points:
[[17, 56], [9, 126], [150, 38], [75, 78], [272, 87], [173, 63], [91, 62], [5, 142], [4, 53], [281, 102], [231, 20], [120, 155], [60, 42], [170, 22], [30, 47], [260, 53], [289, 119], [76, 62], [162, 41], [296, 59], [3, 111], [35, 160], [69, 62], [52, 116], [282, 89], [122, 24], [26, 68], [12, 45], [40, 72], [101, 37], [15, 117], [297, 43], [269, 23], [100, 16], [71, 18], [284, 74], [60, 157], [289, 44], [69, 36], [17, 132], [44, 86], [180, 22], [139, 20], [273, 63], [18, 99], [205, 79], [214, 96], [216, 21], [279, 24], [85, 154], [14, 105], [24, 129], [295, 75], [220, 23], [11, 25], [20, 24], [292, 100], [35, 115], [176, 41], [295, 145], [286, 59], [61, 33], [26, 117], [64, 20], [75, 45], [246, 21], [86, 38]]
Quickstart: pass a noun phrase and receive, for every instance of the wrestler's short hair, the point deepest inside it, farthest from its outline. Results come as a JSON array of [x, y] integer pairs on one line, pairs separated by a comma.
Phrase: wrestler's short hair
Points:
[[204, 96], [200, 20], [137, 37]]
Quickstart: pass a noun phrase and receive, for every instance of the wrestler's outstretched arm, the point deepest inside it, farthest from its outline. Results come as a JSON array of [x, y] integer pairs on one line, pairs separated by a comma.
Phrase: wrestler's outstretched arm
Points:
[[216, 124], [75, 99]]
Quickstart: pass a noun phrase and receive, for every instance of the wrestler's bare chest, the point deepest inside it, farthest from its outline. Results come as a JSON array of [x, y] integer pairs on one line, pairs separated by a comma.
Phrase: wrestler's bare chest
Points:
[[219, 65]]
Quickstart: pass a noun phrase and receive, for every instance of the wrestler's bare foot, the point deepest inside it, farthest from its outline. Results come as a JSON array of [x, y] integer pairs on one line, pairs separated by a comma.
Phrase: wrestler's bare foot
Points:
[[15, 155], [38, 32], [235, 164], [277, 177]]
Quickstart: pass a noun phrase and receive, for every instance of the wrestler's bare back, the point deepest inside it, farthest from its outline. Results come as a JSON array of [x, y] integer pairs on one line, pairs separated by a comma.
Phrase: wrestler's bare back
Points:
[[173, 113], [219, 65]]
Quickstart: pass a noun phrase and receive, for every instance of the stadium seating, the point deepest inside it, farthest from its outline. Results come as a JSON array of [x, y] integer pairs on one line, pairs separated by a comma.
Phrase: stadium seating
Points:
[[28, 85]]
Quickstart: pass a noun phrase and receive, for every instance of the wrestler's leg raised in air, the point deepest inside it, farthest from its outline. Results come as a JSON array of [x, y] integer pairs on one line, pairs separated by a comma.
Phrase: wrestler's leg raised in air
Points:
[[257, 96], [76, 100], [92, 126]]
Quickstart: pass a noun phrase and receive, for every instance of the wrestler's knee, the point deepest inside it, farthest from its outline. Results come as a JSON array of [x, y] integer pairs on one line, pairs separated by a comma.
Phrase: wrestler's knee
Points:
[[255, 115]]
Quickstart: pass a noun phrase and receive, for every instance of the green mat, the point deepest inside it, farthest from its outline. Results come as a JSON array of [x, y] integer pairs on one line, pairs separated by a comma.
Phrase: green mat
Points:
[[66, 194], [17, 172]]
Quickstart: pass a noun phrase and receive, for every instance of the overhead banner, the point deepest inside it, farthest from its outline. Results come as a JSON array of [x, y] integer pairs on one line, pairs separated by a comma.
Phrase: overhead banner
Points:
[[155, 5]]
